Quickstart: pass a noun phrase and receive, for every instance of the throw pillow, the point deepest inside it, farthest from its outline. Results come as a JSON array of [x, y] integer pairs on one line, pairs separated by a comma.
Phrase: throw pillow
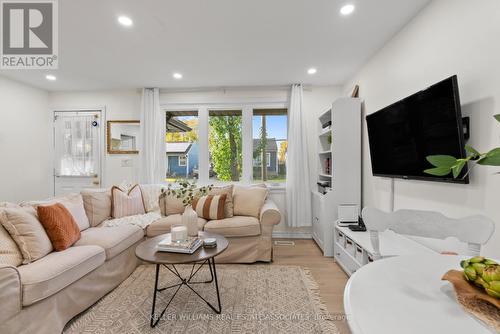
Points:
[[27, 232], [150, 195], [248, 200], [127, 204], [61, 227], [170, 205], [228, 207], [210, 207], [97, 204], [9, 252]]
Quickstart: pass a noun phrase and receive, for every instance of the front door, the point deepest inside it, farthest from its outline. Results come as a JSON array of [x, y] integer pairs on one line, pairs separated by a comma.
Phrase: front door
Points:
[[77, 150]]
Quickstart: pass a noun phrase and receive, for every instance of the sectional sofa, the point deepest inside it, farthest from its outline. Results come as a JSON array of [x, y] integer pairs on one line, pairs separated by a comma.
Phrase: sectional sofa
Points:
[[42, 296]]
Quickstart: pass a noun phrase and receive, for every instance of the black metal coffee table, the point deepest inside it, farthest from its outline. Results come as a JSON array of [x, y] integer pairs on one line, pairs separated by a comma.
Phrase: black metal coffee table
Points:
[[146, 251]]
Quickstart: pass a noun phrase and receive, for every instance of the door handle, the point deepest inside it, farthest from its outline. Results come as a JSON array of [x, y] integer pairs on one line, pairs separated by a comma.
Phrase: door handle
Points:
[[96, 182]]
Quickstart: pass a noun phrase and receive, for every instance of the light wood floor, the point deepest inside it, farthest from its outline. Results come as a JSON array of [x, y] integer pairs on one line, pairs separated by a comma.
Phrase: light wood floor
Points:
[[329, 276]]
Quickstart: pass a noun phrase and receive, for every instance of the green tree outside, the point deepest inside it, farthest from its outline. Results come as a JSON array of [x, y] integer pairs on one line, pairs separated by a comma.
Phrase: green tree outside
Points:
[[225, 146]]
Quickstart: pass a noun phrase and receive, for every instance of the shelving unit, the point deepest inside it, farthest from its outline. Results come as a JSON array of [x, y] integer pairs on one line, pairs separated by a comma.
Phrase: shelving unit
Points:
[[339, 164]]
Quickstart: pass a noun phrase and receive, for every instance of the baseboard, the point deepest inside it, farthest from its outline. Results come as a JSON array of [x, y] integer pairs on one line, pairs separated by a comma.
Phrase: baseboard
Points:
[[292, 235]]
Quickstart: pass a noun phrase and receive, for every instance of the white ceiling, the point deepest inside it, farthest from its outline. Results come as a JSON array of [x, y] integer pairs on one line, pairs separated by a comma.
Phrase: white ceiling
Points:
[[216, 42]]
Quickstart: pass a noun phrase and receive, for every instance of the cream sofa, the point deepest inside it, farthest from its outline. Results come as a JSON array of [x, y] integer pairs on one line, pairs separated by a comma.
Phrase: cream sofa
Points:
[[41, 297]]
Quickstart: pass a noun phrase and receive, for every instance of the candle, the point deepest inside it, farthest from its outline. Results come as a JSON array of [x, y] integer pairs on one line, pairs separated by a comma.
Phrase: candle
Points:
[[179, 233]]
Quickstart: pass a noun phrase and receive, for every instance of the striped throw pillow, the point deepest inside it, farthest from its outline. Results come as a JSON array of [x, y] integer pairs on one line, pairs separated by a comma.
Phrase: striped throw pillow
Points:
[[210, 207], [127, 204]]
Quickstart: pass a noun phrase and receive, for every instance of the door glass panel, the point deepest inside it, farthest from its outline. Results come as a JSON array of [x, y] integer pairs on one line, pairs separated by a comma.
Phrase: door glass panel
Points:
[[76, 140]]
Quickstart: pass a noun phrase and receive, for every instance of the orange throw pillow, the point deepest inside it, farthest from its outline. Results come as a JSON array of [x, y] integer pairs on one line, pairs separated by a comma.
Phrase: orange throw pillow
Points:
[[210, 207], [61, 227]]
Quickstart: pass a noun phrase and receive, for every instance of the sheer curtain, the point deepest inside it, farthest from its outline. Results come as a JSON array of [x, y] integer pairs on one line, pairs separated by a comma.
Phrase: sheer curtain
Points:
[[298, 193], [152, 154]]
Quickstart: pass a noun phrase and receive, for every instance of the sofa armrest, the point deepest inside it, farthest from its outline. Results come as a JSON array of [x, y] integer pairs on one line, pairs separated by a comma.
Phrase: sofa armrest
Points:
[[270, 214], [10, 292]]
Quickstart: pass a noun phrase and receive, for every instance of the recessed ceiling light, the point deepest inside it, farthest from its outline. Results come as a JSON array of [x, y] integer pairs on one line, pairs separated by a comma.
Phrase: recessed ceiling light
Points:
[[125, 21], [50, 77], [347, 9], [312, 70], [177, 76]]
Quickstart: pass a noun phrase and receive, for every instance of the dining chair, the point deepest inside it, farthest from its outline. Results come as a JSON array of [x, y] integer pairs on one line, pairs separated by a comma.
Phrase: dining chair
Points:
[[474, 230]]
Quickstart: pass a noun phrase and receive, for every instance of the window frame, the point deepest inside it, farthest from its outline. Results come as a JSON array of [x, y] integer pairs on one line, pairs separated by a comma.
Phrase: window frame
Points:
[[247, 107], [182, 157]]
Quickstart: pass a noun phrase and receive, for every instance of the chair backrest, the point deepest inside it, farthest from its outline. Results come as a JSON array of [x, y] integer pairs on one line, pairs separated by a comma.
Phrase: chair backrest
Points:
[[474, 230]]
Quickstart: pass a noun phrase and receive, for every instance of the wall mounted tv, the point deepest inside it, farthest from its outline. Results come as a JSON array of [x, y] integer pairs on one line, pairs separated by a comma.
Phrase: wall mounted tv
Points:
[[403, 134]]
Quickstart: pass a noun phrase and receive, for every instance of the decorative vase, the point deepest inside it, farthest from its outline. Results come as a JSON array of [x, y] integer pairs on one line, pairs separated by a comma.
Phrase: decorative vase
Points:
[[190, 220]]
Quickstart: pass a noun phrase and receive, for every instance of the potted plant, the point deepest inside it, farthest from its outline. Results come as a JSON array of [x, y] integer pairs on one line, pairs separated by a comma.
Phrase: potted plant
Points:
[[187, 191], [446, 164]]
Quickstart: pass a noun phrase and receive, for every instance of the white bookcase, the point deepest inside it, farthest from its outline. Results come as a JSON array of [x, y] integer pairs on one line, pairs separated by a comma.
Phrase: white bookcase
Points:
[[340, 144]]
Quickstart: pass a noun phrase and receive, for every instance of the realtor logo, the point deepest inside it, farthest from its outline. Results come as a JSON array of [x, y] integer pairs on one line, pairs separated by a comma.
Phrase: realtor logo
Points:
[[29, 34]]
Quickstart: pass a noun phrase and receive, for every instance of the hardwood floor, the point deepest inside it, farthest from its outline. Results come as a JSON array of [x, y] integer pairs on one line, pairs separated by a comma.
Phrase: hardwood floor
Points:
[[329, 276]]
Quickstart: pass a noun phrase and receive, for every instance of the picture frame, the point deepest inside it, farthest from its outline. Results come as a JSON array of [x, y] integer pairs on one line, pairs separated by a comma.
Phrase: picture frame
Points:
[[122, 136]]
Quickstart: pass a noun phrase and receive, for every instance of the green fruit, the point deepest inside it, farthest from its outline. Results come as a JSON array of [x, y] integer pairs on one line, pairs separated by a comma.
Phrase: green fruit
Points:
[[491, 273], [464, 263], [476, 259], [470, 273], [493, 293], [481, 283], [479, 267], [488, 261], [495, 286]]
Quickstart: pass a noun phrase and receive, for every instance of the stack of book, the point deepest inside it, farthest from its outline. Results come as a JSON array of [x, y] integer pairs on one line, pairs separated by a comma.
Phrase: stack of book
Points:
[[187, 247]]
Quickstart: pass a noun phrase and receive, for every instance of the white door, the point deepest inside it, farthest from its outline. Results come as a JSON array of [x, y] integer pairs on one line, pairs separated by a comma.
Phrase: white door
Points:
[[77, 150]]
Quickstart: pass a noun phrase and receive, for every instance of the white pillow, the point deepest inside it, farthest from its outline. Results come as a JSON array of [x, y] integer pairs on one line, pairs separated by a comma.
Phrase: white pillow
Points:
[[127, 204]]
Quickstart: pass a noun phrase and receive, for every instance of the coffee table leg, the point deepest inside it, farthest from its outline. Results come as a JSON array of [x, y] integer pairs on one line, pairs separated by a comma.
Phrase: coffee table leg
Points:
[[153, 323], [216, 284]]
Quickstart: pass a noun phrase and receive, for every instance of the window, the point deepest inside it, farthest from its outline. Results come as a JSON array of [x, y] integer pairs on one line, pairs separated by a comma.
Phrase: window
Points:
[[269, 143], [225, 142], [182, 145]]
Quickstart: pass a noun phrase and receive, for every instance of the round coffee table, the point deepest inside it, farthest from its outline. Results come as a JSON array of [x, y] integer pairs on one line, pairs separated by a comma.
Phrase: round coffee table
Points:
[[146, 251]]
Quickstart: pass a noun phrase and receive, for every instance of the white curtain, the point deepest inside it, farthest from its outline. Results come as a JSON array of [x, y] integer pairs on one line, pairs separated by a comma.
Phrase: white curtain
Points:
[[152, 154], [298, 192]]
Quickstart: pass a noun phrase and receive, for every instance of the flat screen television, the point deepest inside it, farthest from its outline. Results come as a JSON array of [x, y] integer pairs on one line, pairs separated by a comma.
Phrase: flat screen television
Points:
[[403, 134]]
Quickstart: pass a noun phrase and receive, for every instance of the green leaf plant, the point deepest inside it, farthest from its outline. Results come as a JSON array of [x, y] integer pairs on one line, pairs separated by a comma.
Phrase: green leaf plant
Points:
[[187, 191], [446, 164]]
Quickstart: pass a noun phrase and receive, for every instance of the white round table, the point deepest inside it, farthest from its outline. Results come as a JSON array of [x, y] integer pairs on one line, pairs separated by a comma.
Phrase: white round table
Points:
[[405, 294]]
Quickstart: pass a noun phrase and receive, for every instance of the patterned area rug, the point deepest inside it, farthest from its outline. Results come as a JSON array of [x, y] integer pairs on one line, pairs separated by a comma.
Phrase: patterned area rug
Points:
[[255, 299]]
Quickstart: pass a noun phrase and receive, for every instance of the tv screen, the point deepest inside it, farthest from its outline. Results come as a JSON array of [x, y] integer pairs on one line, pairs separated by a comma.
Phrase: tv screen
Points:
[[403, 134]]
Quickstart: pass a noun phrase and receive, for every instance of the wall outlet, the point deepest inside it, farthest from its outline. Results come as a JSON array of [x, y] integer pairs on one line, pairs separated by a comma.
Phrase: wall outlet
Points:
[[127, 163]]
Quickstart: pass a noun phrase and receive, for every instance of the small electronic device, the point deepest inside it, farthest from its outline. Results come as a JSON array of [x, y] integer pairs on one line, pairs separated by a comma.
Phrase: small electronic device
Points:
[[359, 227], [348, 213]]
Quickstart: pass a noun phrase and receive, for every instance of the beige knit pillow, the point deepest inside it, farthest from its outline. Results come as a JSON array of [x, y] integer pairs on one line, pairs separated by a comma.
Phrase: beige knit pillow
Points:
[[28, 233], [97, 204], [228, 207], [248, 200], [170, 205], [9, 252]]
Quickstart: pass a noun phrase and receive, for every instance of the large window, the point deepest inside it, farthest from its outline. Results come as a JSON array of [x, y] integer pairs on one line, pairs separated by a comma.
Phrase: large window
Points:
[[269, 145], [182, 147], [225, 145]]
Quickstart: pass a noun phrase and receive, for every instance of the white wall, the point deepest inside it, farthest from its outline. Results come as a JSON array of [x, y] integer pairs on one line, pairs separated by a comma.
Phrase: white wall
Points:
[[448, 37], [25, 148], [119, 105]]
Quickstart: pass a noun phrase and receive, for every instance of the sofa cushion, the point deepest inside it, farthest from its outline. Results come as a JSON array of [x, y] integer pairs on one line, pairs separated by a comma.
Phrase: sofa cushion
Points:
[[162, 226], [57, 270], [72, 202], [170, 205], [114, 240], [210, 206], [248, 200], [9, 252], [151, 195], [27, 232], [237, 226], [97, 203], [61, 227], [228, 190], [128, 203]]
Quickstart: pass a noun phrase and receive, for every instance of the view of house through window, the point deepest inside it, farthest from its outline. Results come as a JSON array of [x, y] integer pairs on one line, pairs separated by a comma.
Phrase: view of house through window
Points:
[[269, 145], [224, 144], [182, 147]]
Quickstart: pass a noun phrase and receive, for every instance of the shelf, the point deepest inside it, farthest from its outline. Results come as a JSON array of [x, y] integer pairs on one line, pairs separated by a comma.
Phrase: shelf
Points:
[[326, 152], [325, 175], [326, 132]]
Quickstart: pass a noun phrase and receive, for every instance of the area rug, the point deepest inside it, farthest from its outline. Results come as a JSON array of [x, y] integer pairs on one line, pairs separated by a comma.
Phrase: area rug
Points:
[[255, 299]]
